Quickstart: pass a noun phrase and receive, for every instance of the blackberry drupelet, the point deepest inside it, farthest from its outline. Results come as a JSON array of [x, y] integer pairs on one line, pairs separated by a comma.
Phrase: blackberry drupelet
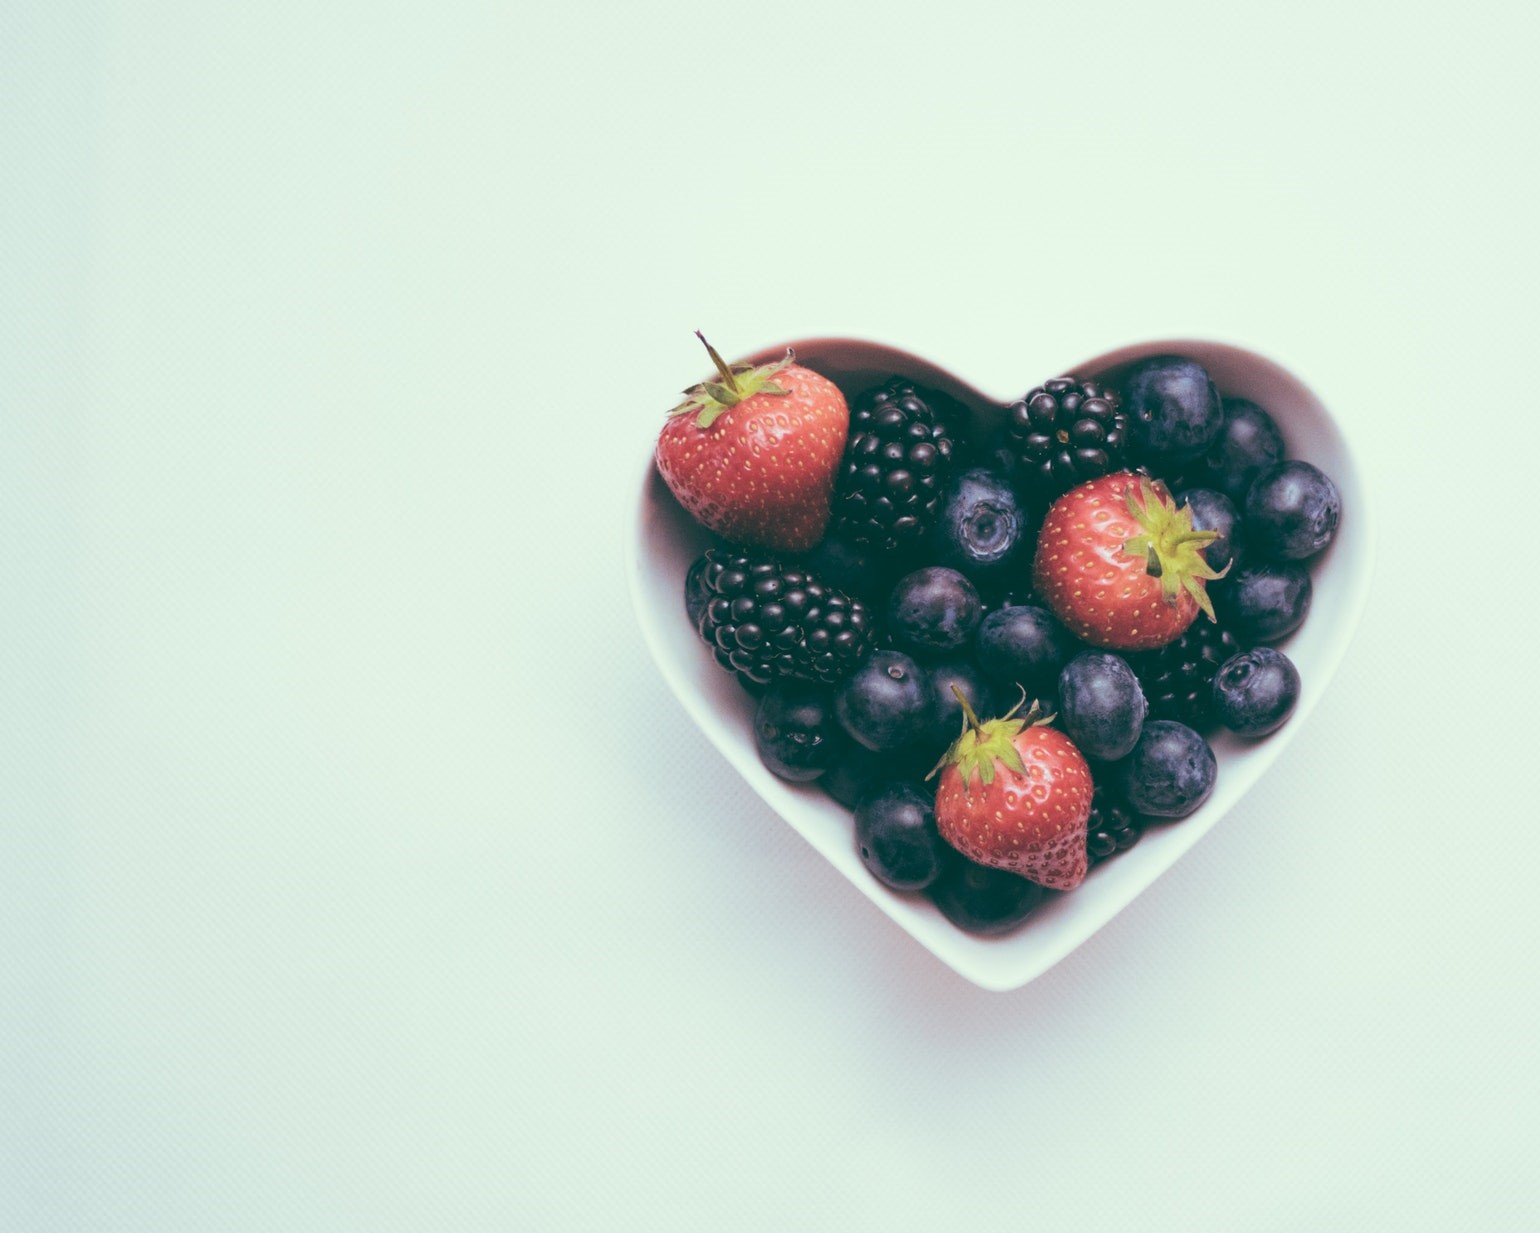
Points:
[[896, 463], [764, 620], [1113, 827], [1178, 678], [1063, 433]]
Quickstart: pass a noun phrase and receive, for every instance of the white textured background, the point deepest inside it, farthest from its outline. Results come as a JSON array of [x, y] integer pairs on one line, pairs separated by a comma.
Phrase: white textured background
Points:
[[357, 872]]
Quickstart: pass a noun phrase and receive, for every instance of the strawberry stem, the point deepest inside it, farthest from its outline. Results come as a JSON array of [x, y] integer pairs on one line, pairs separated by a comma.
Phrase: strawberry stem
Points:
[[728, 378]]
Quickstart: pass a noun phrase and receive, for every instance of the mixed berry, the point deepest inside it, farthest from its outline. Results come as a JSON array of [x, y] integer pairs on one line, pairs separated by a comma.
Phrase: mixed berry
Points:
[[1004, 657]]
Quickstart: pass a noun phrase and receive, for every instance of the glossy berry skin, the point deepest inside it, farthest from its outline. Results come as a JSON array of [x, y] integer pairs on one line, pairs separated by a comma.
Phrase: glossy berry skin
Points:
[[697, 592], [896, 460], [1170, 772], [1021, 644], [1174, 411], [1265, 602], [887, 702], [1101, 705], [981, 529], [1031, 821], [763, 620], [1292, 511], [795, 731], [759, 472], [1213, 511], [985, 901], [896, 836], [1256, 692], [1177, 679], [960, 674], [933, 611], [1112, 827], [1248, 442], [1103, 592], [1062, 433], [857, 769]]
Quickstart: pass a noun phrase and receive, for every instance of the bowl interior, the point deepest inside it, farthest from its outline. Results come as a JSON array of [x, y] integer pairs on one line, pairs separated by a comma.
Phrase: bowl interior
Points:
[[665, 540]]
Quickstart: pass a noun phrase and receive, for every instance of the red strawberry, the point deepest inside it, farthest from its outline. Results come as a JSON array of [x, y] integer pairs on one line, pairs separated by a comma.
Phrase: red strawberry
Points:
[[1120, 564], [1016, 794], [753, 456]]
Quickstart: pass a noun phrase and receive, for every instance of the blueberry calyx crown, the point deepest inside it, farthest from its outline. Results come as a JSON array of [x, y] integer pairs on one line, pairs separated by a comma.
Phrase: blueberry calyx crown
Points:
[[709, 399], [982, 744], [1171, 549]]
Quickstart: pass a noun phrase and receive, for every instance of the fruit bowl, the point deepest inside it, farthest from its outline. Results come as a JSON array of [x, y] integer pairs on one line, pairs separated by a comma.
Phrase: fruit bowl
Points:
[[664, 540]]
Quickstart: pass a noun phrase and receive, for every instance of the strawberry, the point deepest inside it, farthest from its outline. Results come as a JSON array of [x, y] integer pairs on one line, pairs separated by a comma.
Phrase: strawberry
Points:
[[1015, 794], [754, 455], [1121, 565]]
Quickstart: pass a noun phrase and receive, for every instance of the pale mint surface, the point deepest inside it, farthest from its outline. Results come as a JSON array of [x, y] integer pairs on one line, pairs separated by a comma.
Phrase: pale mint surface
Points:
[[332, 337]]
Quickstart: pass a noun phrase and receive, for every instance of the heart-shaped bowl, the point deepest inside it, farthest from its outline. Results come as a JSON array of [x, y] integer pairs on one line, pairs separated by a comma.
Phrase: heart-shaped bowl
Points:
[[665, 540]]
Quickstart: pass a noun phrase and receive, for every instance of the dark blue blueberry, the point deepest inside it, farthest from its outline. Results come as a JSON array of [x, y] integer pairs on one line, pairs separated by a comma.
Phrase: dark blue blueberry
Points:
[[1174, 412], [887, 702], [1248, 442], [1021, 645], [965, 676], [934, 611], [1264, 602], [1292, 511], [858, 571], [1213, 511], [980, 527], [896, 835], [697, 591], [1101, 705], [984, 900], [1256, 691], [796, 732], [1170, 772], [858, 768]]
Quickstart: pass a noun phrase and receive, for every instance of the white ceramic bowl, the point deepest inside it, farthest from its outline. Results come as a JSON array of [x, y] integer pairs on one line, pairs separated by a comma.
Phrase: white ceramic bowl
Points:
[[665, 540]]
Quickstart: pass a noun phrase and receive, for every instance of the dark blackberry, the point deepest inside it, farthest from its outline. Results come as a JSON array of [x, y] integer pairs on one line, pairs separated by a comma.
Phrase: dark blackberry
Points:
[[896, 463], [1063, 433], [764, 620], [1177, 678], [1113, 827]]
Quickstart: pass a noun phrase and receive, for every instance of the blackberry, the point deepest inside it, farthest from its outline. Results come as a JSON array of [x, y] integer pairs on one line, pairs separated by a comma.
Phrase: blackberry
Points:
[[1178, 678], [1063, 433], [764, 620], [896, 463], [1113, 827]]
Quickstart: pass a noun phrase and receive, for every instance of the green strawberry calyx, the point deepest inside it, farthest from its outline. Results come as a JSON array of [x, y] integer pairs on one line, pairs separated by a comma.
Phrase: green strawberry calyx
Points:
[[1171, 549], [709, 399], [982, 744]]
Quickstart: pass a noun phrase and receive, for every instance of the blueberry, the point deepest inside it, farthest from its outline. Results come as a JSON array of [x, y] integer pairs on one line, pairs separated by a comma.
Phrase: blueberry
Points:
[[697, 592], [980, 527], [1248, 441], [852, 568], [984, 900], [1021, 645], [858, 768], [1174, 412], [796, 732], [1292, 511], [896, 835], [1170, 772], [886, 702], [948, 710], [1101, 705], [934, 611], [1213, 511], [1265, 602], [1256, 691]]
